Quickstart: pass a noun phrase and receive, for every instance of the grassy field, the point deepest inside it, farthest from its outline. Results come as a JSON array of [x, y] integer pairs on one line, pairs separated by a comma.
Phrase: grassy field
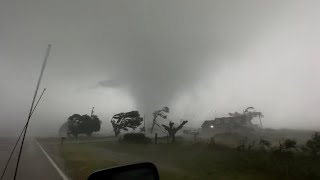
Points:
[[188, 162]]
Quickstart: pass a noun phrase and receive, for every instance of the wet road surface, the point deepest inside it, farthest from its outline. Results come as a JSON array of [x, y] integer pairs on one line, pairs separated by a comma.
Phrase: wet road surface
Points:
[[34, 164]]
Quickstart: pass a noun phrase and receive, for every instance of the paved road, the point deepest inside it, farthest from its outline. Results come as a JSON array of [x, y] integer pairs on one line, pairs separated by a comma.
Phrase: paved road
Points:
[[34, 164]]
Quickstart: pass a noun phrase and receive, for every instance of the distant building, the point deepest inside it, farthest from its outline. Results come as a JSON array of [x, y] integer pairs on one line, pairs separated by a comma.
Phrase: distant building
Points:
[[228, 124]]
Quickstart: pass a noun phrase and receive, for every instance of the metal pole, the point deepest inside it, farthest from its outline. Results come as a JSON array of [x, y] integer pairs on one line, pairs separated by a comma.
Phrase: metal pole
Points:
[[92, 112], [7, 163], [144, 123], [31, 108]]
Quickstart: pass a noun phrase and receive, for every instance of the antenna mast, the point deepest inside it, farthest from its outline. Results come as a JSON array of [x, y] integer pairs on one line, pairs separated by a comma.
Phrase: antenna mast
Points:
[[32, 107]]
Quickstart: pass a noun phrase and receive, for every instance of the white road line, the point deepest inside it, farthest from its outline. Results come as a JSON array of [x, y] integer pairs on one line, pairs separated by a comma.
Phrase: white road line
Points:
[[63, 176]]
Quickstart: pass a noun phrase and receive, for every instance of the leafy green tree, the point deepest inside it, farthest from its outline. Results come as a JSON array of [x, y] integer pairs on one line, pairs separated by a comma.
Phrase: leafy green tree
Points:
[[159, 113], [173, 130], [124, 121], [84, 124], [90, 124], [74, 122]]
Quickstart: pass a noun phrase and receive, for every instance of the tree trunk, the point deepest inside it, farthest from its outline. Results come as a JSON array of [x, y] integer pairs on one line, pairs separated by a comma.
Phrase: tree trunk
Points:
[[153, 123], [173, 138], [116, 132], [172, 130], [156, 138]]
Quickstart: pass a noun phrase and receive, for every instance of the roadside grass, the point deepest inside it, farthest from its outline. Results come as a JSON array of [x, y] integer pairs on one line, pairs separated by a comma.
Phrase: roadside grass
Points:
[[81, 161], [185, 160], [190, 162]]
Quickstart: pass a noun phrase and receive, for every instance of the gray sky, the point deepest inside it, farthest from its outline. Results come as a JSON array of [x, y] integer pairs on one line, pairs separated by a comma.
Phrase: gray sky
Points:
[[203, 59]]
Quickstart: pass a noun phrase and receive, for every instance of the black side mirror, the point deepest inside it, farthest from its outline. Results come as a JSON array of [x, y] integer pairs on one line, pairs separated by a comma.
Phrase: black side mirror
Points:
[[141, 171]]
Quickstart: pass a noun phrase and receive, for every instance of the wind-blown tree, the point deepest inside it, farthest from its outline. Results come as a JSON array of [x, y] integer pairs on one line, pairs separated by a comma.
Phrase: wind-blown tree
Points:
[[93, 124], [173, 130], [84, 124], [248, 108], [124, 121], [162, 113], [74, 122]]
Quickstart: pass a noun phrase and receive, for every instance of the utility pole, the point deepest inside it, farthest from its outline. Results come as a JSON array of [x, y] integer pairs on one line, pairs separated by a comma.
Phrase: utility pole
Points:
[[92, 112], [260, 122], [144, 123]]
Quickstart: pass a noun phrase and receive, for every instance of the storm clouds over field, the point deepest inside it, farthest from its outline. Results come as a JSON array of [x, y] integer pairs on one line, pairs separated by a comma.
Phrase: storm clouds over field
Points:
[[203, 59]]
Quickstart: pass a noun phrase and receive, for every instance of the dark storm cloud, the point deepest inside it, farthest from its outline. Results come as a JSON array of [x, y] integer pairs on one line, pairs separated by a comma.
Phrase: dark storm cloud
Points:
[[165, 46], [195, 56]]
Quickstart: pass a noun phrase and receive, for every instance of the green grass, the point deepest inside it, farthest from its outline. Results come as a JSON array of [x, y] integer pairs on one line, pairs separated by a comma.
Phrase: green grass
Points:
[[81, 161], [189, 162], [185, 161]]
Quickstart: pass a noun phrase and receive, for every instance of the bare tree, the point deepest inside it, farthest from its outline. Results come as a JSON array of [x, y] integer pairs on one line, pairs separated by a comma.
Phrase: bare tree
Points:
[[173, 130], [162, 113]]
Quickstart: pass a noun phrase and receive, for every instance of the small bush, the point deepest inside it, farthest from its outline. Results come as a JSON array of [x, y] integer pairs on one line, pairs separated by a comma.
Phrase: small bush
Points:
[[290, 144], [265, 143], [245, 144], [286, 145], [139, 138]]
